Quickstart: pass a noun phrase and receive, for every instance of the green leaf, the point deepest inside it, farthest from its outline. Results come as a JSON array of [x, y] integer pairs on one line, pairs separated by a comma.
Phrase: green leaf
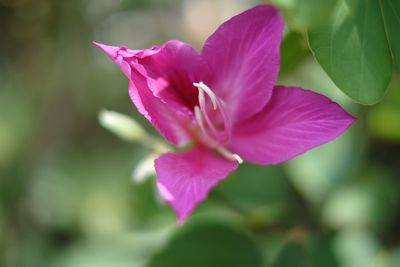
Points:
[[293, 254], [391, 16], [321, 250], [354, 51], [209, 244]]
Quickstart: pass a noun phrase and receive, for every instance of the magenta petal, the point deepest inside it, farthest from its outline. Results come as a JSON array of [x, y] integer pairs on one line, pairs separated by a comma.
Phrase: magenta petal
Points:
[[244, 56], [123, 56], [110, 51], [170, 123], [161, 84], [172, 70], [113, 52], [184, 179], [294, 121]]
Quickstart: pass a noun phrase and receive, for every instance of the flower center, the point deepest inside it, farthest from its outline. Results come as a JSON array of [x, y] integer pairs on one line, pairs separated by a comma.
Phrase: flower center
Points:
[[214, 135]]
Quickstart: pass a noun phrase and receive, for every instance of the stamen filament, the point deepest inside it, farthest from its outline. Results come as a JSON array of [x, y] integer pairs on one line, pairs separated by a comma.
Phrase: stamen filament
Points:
[[204, 88], [203, 108], [213, 138], [199, 118], [227, 122]]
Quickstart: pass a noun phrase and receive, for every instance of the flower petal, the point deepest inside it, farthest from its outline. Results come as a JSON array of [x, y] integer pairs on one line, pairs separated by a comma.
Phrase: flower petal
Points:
[[294, 121], [161, 84], [170, 69], [184, 179], [119, 54], [243, 54], [114, 51], [173, 70], [170, 123]]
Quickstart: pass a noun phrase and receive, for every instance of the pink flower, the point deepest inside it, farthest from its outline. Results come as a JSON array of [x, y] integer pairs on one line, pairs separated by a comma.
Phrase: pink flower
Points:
[[224, 101]]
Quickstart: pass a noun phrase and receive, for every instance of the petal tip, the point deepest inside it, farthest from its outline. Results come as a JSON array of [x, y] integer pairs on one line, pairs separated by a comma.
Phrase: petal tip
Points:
[[182, 219], [110, 51], [351, 120]]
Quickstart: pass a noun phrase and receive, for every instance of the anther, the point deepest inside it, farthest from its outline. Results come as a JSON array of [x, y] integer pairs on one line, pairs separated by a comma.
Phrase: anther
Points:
[[229, 155]]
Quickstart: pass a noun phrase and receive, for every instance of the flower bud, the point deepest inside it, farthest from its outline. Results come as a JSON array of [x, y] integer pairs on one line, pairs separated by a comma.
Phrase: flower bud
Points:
[[123, 126]]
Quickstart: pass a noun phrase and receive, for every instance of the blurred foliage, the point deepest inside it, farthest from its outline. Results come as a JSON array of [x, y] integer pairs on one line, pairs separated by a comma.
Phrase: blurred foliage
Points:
[[210, 244], [306, 14], [67, 198], [354, 50]]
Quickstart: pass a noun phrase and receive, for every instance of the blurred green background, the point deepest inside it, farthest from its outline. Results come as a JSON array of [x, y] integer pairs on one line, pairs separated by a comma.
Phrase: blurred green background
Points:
[[67, 197]]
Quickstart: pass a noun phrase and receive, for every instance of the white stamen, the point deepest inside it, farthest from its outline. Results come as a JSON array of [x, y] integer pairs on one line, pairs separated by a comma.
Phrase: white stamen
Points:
[[204, 88], [237, 158], [229, 155], [204, 120], [202, 98], [198, 116]]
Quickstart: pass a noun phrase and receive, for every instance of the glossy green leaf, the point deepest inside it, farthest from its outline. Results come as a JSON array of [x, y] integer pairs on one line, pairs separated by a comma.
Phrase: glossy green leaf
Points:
[[391, 16], [209, 244], [354, 51]]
